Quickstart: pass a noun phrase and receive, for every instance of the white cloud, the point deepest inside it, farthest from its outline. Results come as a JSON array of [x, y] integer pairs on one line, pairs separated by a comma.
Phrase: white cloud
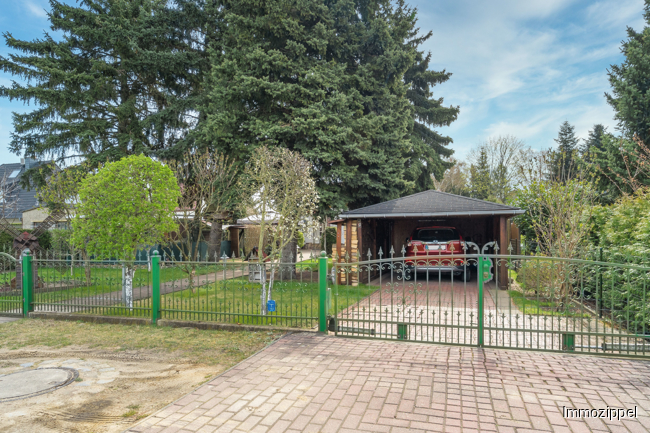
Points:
[[522, 68], [36, 9], [617, 13]]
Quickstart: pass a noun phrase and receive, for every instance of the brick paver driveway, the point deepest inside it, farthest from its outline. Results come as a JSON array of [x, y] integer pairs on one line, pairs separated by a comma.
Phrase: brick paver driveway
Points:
[[314, 383]]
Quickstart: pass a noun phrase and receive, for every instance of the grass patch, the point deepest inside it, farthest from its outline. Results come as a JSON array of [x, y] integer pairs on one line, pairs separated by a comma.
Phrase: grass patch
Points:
[[239, 301], [200, 346], [534, 305], [132, 411], [61, 285], [312, 264]]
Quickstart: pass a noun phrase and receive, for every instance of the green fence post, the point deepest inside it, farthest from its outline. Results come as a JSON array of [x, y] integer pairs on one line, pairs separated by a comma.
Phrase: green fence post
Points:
[[155, 287], [322, 292], [481, 277], [28, 284]]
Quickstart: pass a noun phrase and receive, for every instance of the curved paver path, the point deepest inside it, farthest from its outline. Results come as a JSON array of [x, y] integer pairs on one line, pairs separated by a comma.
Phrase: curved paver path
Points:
[[316, 383]]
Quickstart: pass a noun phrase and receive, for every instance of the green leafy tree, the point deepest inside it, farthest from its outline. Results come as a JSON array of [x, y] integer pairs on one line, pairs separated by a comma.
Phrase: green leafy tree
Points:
[[120, 81], [342, 82], [126, 205], [630, 81], [621, 233], [564, 158]]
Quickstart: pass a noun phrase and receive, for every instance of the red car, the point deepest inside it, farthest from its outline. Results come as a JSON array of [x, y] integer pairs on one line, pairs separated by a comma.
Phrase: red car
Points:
[[429, 250]]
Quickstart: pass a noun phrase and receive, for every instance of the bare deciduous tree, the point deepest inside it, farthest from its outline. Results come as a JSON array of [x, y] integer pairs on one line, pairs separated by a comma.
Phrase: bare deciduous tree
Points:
[[207, 182], [8, 196], [455, 179], [61, 192], [281, 194], [534, 166], [504, 154], [560, 213]]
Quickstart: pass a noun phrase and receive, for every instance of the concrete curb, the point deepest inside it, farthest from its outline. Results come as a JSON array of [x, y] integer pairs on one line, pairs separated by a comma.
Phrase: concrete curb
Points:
[[164, 322], [92, 319], [226, 326]]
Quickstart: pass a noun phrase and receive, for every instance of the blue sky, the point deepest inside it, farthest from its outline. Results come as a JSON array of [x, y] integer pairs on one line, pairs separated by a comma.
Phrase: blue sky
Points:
[[519, 67]]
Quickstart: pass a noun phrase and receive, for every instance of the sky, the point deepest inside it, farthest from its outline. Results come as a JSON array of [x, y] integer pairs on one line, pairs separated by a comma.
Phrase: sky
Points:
[[519, 68]]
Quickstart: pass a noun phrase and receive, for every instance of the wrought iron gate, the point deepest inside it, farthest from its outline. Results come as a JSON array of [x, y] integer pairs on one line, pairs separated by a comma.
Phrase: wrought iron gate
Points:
[[494, 300], [11, 295]]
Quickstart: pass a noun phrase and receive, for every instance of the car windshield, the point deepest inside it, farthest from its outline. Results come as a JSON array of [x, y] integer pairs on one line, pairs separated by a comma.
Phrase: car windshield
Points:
[[436, 235]]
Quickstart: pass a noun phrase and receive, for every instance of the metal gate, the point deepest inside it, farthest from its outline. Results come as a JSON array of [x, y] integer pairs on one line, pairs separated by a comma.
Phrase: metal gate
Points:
[[11, 294], [494, 300]]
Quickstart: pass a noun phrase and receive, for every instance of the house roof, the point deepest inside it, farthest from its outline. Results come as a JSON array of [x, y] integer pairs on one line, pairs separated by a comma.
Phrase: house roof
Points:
[[432, 203], [26, 199]]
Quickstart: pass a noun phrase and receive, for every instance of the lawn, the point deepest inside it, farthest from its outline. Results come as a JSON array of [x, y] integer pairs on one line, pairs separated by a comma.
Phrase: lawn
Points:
[[238, 301], [234, 300], [199, 346], [312, 264], [61, 285], [535, 305]]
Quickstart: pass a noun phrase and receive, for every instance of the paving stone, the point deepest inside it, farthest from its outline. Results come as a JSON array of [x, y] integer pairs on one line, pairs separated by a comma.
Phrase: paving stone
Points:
[[308, 382]]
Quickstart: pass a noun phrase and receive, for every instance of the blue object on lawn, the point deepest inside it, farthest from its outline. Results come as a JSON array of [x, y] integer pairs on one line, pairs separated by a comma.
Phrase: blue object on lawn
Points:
[[270, 306]]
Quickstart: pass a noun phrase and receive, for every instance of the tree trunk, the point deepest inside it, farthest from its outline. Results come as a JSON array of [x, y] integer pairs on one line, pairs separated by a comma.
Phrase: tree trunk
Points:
[[128, 273], [214, 241], [84, 256], [263, 294], [288, 260]]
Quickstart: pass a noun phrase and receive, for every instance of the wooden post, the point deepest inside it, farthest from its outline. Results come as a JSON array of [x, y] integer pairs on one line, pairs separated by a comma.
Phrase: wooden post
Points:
[[337, 258], [234, 240], [374, 239], [348, 248], [355, 243]]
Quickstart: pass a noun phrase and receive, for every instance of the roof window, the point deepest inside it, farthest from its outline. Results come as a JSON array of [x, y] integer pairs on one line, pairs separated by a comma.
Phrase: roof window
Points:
[[14, 173]]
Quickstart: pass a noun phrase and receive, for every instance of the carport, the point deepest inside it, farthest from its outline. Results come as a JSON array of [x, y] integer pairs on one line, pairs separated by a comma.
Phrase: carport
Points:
[[383, 227]]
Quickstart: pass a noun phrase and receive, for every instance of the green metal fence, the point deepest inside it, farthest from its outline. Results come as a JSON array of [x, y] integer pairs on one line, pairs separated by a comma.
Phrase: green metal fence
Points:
[[231, 291], [487, 300], [11, 299], [496, 300], [227, 291], [91, 287]]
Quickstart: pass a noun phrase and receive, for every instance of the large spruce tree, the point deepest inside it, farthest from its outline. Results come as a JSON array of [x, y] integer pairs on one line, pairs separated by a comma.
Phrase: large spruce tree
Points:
[[342, 82], [480, 179], [564, 159], [120, 80], [630, 83], [593, 142]]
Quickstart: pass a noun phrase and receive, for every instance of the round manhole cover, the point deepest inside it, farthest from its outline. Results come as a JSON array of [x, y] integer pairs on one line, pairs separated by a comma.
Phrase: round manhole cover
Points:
[[30, 383]]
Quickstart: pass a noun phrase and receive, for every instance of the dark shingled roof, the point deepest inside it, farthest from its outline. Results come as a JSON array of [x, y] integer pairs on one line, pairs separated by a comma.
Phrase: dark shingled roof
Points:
[[26, 198], [432, 204]]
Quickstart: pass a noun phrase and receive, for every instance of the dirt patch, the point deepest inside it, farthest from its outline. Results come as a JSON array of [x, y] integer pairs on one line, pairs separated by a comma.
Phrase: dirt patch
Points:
[[113, 391], [125, 372]]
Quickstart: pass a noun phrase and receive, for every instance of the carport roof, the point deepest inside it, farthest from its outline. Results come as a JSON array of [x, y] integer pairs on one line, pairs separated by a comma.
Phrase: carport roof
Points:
[[432, 203]]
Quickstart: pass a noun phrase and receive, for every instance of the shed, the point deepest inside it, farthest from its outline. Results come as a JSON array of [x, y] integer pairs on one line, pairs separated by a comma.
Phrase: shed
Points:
[[387, 225]]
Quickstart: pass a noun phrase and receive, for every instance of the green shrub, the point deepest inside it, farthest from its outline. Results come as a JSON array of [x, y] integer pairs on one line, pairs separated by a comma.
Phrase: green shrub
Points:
[[330, 237]]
